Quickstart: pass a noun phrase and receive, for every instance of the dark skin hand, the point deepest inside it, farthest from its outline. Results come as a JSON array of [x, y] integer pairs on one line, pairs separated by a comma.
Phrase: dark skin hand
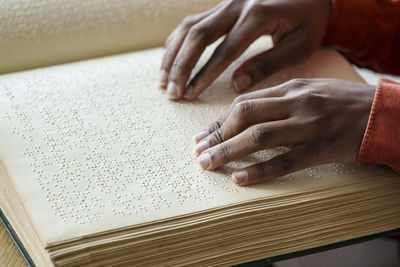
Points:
[[318, 120], [296, 27]]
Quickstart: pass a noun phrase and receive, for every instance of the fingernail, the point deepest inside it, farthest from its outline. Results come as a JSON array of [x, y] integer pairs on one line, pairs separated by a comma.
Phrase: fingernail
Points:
[[205, 160], [242, 82], [240, 176], [188, 93], [200, 147], [172, 92], [163, 79], [198, 137]]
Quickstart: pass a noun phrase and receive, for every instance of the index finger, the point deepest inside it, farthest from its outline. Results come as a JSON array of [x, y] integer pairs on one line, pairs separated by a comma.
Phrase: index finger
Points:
[[174, 42], [197, 39], [235, 43]]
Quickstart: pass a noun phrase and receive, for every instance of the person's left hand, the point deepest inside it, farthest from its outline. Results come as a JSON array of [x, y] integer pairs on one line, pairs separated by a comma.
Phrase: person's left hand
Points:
[[318, 120]]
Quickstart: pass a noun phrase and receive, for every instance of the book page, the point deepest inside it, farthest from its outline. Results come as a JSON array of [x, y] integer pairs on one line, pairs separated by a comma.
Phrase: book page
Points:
[[95, 145]]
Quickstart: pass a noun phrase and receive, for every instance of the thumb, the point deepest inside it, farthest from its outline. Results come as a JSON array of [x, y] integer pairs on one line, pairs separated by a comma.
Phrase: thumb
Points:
[[259, 67]]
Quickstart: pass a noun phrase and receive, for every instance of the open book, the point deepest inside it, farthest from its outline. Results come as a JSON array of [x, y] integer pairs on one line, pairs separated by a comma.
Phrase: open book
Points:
[[97, 166]]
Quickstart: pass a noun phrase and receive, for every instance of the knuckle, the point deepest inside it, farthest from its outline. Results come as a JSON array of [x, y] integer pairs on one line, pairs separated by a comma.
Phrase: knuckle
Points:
[[304, 97], [261, 170], [225, 51], [295, 86], [257, 9], [284, 90], [217, 137], [311, 98], [222, 152], [198, 32], [258, 134], [178, 68], [298, 82], [167, 60], [242, 107], [238, 99], [167, 41], [171, 37], [215, 126], [264, 67], [286, 163], [188, 21]]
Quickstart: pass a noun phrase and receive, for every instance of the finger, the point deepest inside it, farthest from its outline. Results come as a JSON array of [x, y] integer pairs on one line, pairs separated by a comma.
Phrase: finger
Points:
[[261, 136], [171, 37], [175, 40], [188, 22], [292, 49], [243, 115], [173, 43], [197, 39], [235, 43], [275, 91], [205, 132], [296, 159]]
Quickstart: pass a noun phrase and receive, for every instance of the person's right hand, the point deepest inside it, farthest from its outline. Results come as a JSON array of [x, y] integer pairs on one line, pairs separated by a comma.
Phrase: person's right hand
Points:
[[297, 28]]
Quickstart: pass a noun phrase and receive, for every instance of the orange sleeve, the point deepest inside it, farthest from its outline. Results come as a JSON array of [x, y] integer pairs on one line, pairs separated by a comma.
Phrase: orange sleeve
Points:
[[367, 32], [381, 142]]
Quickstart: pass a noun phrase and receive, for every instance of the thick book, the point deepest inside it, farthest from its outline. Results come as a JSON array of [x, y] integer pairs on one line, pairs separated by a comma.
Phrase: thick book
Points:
[[98, 169]]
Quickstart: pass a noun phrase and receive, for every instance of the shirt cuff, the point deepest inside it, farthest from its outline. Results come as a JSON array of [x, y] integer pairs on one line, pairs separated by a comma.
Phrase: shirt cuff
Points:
[[381, 142]]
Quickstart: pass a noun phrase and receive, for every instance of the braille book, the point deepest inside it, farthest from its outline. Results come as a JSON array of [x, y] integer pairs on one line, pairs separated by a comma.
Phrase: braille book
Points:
[[97, 165]]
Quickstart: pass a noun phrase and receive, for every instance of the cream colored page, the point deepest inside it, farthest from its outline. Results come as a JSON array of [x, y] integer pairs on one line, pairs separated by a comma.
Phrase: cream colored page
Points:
[[95, 145], [36, 33]]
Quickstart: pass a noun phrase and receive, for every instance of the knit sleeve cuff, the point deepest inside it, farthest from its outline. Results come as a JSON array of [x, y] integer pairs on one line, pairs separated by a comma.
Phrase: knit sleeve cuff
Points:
[[381, 142]]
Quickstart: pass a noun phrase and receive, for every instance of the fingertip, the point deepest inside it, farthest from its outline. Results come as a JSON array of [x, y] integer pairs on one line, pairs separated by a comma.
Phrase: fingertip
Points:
[[242, 82], [205, 160], [172, 91], [200, 136], [202, 146], [189, 93], [188, 98], [240, 177], [163, 80]]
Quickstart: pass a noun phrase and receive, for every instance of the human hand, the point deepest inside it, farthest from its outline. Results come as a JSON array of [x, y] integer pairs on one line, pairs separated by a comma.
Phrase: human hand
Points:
[[297, 29], [318, 120]]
